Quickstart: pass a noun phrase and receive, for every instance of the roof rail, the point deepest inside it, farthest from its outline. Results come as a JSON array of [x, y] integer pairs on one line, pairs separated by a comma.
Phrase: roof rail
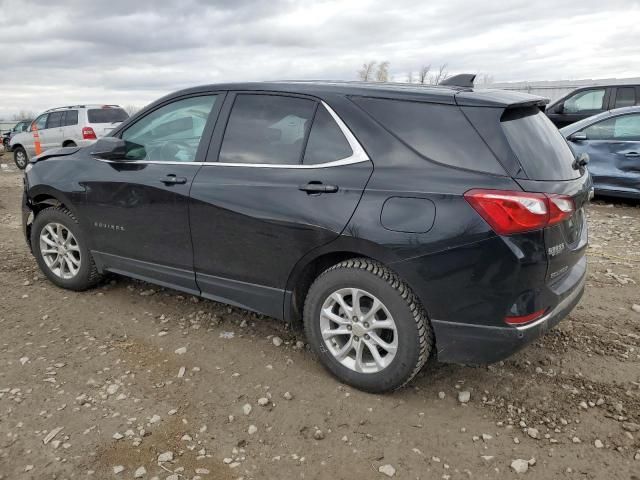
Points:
[[62, 108], [460, 80]]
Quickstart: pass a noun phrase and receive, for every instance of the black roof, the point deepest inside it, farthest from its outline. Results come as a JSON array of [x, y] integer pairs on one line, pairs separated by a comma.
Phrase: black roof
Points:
[[448, 94]]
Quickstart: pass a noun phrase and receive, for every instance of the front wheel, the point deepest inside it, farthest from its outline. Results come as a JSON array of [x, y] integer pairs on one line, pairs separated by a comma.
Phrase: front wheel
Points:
[[20, 158], [61, 250], [366, 326]]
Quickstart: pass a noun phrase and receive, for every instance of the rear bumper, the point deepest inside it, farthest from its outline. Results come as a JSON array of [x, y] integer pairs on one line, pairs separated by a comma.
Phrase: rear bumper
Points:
[[483, 344]]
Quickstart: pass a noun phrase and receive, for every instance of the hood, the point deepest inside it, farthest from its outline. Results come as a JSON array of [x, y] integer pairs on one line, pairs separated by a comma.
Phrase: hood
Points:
[[56, 152]]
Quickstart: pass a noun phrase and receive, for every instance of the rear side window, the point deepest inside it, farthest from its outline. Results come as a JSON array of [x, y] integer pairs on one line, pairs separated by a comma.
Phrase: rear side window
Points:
[[71, 117], [56, 119], [625, 97], [267, 129], [106, 115], [438, 132], [541, 149], [326, 142]]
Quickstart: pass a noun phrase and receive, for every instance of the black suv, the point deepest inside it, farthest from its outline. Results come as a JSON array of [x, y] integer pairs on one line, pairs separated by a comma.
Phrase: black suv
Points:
[[397, 222], [587, 101]]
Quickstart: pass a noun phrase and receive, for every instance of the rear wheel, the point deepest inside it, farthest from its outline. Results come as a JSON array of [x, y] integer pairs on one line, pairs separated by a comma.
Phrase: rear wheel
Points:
[[367, 326], [69, 144], [20, 158], [61, 251]]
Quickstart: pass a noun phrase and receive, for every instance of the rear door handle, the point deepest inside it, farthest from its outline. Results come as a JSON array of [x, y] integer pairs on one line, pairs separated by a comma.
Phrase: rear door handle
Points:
[[171, 179], [632, 154], [318, 187]]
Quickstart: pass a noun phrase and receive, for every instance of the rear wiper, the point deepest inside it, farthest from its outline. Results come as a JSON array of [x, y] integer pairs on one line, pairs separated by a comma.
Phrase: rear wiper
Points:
[[581, 161]]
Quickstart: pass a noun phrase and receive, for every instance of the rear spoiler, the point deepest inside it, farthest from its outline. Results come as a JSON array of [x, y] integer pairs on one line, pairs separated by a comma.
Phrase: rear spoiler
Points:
[[498, 98]]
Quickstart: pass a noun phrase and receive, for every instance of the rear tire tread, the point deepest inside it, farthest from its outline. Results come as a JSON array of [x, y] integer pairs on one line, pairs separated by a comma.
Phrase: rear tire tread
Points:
[[425, 332]]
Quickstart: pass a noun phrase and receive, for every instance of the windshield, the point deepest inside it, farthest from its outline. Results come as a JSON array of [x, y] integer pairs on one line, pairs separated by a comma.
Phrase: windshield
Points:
[[107, 115], [541, 149]]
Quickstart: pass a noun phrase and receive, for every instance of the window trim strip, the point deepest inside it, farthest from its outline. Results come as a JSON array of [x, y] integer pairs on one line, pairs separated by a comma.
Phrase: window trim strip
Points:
[[358, 155]]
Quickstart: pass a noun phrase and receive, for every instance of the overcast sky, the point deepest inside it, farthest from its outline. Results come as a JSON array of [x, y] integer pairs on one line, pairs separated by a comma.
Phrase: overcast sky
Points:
[[58, 52]]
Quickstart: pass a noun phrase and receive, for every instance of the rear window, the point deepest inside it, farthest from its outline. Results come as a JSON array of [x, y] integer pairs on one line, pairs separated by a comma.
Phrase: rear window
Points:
[[107, 115], [542, 151], [438, 132]]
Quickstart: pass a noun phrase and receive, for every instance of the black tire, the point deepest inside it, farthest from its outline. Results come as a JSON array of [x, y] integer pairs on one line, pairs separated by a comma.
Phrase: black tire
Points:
[[415, 336], [20, 158], [87, 275], [70, 144]]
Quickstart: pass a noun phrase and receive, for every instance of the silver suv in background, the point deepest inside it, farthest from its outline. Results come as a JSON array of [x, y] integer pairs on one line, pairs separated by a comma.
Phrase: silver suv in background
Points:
[[77, 125]]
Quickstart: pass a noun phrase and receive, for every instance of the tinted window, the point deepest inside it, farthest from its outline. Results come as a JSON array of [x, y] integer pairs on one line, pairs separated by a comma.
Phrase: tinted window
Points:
[[439, 132], [266, 129], [584, 101], [326, 142], [170, 133], [622, 128], [71, 117], [625, 97], [41, 122], [106, 115], [540, 147], [56, 119]]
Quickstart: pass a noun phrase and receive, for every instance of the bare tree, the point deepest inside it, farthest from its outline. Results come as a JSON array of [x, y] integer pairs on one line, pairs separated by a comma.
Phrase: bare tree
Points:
[[410, 77], [441, 75], [485, 79], [366, 72], [24, 115], [423, 74], [131, 109], [382, 74]]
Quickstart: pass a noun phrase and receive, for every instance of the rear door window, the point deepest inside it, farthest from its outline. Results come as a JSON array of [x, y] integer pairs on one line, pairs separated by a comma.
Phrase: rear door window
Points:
[[539, 146], [440, 133], [55, 120], [106, 115], [71, 117], [268, 129], [625, 97], [326, 141]]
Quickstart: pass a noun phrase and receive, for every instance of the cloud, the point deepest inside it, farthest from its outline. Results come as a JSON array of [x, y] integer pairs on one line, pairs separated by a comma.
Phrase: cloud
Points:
[[131, 52]]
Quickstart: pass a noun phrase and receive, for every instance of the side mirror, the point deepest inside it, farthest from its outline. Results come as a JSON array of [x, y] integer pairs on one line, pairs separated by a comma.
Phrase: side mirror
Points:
[[577, 137], [560, 108], [109, 148], [581, 161]]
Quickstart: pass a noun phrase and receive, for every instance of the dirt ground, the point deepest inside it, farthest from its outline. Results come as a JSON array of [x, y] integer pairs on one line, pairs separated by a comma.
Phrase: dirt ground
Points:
[[107, 380]]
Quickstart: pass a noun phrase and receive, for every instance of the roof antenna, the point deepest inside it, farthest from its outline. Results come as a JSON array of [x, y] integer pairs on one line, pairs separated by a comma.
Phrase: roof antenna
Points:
[[460, 80]]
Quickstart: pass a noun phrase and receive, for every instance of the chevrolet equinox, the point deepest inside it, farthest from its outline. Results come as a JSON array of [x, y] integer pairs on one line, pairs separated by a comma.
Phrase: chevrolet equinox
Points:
[[398, 223]]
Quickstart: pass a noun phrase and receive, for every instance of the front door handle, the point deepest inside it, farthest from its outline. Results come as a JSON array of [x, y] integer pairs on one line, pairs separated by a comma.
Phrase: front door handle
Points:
[[632, 154], [318, 187], [171, 179]]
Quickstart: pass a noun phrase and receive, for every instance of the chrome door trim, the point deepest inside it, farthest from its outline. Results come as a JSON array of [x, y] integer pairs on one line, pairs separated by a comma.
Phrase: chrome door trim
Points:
[[358, 155]]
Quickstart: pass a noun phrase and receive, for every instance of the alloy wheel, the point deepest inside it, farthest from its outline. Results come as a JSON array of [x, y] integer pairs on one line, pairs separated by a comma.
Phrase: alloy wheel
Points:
[[358, 330], [60, 250]]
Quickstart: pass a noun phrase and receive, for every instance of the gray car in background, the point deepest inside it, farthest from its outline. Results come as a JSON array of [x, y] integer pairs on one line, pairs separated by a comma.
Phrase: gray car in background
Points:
[[612, 141], [77, 125]]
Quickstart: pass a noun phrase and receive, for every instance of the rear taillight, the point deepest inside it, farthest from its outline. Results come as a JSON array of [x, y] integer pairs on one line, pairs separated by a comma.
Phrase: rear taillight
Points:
[[510, 212], [88, 133], [522, 319]]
